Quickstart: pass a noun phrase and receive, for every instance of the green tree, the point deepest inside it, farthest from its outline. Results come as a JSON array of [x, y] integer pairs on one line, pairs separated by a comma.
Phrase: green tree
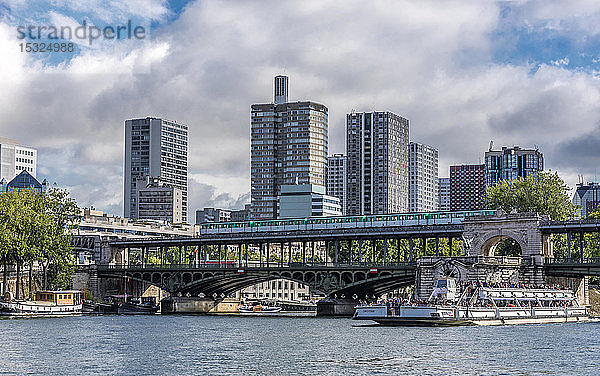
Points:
[[545, 194]]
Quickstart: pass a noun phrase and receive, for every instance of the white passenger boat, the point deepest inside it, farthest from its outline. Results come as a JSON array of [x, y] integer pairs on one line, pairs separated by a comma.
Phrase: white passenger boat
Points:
[[46, 303], [479, 306]]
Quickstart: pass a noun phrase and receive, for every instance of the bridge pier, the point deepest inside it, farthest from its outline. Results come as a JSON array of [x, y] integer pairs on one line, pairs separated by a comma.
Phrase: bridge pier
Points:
[[197, 305], [336, 307]]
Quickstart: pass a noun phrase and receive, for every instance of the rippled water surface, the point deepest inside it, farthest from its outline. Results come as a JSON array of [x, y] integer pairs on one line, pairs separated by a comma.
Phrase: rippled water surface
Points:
[[182, 345]]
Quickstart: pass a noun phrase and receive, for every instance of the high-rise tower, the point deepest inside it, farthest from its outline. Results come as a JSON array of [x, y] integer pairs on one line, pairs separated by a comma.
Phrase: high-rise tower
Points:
[[156, 148], [377, 152], [288, 146]]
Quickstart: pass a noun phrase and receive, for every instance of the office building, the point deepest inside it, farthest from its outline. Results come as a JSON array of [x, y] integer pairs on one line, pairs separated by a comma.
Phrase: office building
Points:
[[444, 194], [512, 163], [336, 178], [158, 201], [377, 170], [157, 148], [15, 158], [241, 215], [307, 200], [467, 187], [423, 178], [288, 146], [212, 215], [587, 198]]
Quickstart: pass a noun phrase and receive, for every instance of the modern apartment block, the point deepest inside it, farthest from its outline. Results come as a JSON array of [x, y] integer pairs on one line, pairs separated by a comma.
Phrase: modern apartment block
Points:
[[467, 187], [512, 163], [157, 148], [289, 143], [15, 158], [377, 152], [443, 194], [423, 178], [158, 201], [336, 178], [587, 198]]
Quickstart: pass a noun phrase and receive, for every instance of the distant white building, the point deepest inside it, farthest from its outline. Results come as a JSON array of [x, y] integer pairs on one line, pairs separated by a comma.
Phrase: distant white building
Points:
[[158, 201], [423, 177], [336, 178], [15, 158], [305, 201], [444, 194]]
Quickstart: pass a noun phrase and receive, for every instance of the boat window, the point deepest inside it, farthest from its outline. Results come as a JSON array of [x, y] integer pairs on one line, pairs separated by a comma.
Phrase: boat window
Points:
[[441, 283]]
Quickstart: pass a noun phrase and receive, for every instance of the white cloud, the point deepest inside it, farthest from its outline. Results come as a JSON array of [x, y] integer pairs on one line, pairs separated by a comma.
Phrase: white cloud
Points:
[[428, 61]]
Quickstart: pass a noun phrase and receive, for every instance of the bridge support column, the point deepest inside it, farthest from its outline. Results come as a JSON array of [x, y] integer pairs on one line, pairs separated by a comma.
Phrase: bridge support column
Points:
[[337, 250], [312, 258], [304, 252], [410, 249], [385, 251], [267, 247], [437, 246], [569, 245], [581, 239], [598, 244], [360, 248], [336, 307], [450, 245]]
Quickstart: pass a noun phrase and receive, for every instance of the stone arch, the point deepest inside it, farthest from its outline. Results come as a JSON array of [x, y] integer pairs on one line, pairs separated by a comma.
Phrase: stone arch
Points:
[[490, 242], [480, 233]]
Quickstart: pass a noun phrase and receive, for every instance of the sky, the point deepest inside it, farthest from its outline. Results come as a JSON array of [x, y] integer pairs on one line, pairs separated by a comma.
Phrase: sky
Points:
[[464, 73]]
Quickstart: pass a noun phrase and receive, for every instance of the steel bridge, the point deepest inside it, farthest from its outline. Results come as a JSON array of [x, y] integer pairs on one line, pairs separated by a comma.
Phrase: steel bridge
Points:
[[339, 259], [218, 281]]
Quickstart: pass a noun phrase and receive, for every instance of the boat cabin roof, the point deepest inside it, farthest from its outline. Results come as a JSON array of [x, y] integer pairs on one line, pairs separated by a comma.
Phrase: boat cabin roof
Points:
[[58, 292]]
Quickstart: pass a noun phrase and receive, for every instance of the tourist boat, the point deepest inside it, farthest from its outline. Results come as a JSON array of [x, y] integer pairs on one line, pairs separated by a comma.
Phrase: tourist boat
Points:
[[46, 303], [479, 306], [258, 309]]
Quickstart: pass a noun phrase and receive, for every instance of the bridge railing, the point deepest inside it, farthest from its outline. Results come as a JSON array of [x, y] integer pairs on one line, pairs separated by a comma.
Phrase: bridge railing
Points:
[[572, 260], [264, 265]]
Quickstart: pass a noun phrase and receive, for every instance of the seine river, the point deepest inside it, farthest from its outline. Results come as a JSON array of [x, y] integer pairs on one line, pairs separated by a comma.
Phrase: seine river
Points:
[[217, 345]]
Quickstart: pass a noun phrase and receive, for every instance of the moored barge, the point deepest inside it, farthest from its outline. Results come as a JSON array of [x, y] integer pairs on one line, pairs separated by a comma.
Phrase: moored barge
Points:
[[479, 306]]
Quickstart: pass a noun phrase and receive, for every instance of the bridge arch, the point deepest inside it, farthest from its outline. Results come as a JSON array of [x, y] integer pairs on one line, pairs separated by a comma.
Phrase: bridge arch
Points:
[[491, 242]]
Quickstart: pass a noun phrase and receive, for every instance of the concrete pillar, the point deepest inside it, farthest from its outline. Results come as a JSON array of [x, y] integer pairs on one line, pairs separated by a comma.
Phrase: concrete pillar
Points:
[[240, 255], [289, 252], [180, 254], [410, 249], [424, 246], [437, 246], [281, 254], [398, 250], [450, 244], [312, 258], [598, 244], [196, 256]]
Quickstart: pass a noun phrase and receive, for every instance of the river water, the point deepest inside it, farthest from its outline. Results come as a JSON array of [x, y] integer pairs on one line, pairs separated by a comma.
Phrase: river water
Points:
[[219, 345]]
